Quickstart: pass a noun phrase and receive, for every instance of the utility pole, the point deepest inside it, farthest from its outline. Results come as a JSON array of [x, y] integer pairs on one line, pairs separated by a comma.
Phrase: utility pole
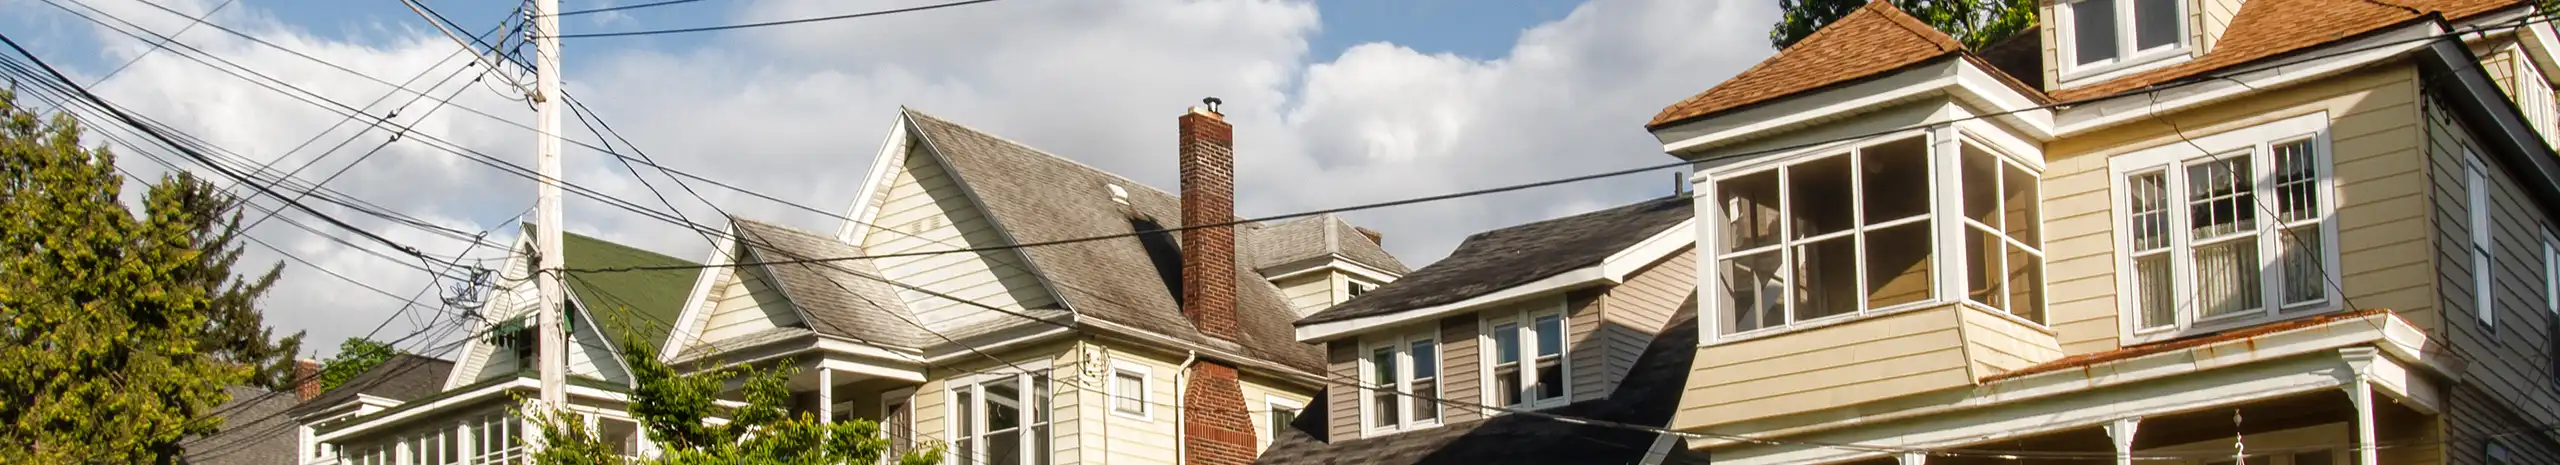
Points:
[[547, 224]]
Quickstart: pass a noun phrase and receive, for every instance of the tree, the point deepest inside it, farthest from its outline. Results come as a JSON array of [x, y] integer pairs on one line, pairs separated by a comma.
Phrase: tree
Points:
[[676, 408], [1977, 23], [355, 356], [116, 341], [238, 332]]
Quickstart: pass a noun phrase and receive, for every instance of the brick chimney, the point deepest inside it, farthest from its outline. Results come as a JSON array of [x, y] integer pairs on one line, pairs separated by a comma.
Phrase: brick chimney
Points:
[[1215, 428], [1209, 197], [306, 376]]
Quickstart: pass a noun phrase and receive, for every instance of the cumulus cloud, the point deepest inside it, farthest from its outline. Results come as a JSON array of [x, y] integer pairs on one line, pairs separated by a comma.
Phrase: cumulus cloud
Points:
[[797, 112]]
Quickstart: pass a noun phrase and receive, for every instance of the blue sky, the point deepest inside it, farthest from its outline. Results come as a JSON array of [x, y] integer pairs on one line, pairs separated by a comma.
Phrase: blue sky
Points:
[[1336, 103]]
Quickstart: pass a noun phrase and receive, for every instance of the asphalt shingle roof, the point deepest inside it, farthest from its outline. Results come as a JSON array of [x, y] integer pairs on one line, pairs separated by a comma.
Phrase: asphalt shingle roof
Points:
[[654, 297], [255, 431], [1500, 259], [2270, 28], [1028, 194], [1315, 236], [1648, 397], [404, 378], [843, 298], [1869, 41]]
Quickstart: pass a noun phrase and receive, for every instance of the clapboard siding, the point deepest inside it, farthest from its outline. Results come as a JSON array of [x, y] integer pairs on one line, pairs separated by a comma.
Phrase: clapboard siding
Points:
[[1307, 293], [747, 302], [1851, 362], [1586, 356], [923, 210], [1462, 361], [2508, 360], [1342, 403], [1631, 314]]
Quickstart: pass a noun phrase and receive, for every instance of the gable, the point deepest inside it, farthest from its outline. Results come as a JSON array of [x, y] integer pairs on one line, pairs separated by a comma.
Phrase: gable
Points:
[[924, 209], [744, 301]]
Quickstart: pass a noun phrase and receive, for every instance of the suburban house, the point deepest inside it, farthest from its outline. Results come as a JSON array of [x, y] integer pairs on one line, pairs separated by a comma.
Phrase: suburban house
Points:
[[1021, 308], [1591, 316], [2264, 231], [433, 412], [255, 428]]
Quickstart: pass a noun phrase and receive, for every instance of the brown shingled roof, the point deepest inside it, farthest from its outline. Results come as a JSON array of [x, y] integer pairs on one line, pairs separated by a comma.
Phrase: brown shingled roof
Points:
[[2094, 358], [2268, 28], [1872, 40]]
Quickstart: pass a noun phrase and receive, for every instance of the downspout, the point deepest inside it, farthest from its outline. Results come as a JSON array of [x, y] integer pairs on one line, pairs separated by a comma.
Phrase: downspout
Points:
[[1182, 411]]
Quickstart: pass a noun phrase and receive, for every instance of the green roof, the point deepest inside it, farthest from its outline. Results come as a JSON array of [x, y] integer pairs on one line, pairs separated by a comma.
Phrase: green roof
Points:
[[643, 303]]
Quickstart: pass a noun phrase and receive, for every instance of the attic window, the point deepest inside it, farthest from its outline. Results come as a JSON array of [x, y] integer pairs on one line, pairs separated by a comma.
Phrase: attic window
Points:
[[2106, 35]]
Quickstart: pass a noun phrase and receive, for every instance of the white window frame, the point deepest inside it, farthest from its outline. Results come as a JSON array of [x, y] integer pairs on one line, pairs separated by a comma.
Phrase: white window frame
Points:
[[1400, 344], [1142, 399], [894, 432], [2484, 298], [2128, 60], [2173, 158], [1032, 371], [1524, 320], [1271, 426]]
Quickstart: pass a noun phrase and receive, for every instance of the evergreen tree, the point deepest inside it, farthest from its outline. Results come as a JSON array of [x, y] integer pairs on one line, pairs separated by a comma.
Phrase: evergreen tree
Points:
[[1977, 23]]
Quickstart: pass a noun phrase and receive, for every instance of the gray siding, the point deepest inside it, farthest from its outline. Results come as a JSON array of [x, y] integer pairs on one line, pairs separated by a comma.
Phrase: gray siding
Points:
[[2507, 381], [1462, 367], [1586, 357], [1342, 397]]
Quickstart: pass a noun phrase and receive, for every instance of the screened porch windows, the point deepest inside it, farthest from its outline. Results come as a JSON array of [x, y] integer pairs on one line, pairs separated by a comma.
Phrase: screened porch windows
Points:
[[1874, 228]]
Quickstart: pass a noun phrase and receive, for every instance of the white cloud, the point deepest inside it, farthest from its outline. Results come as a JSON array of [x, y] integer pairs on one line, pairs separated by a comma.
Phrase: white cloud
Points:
[[797, 111]]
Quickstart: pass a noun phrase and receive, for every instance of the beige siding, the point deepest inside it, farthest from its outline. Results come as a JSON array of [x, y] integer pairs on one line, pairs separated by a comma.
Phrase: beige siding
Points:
[[1997, 345], [1149, 440], [1259, 393], [1818, 368], [2507, 365], [1307, 293], [927, 210], [591, 355], [2210, 18], [1586, 356], [1463, 362], [2377, 166], [747, 302], [1633, 312], [1342, 405]]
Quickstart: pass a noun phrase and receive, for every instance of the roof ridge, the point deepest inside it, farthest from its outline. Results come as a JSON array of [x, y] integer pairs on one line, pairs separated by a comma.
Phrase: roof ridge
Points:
[[1931, 34], [1070, 161]]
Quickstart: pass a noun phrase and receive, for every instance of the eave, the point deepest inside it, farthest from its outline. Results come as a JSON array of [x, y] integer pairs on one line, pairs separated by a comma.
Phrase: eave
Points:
[[1950, 76], [1610, 271]]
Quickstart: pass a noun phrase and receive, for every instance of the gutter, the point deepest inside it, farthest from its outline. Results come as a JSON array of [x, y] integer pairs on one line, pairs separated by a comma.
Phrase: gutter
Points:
[[2494, 120]]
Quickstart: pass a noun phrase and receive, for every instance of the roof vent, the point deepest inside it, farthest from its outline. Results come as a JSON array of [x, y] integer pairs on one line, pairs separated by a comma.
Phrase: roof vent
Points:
[[1118, 194]]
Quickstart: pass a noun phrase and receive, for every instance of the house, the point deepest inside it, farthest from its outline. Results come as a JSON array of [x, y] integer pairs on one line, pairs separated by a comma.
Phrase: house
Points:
[[2295, 231], [1022, 308], [428, 411], [255, 430], [1590, 317]]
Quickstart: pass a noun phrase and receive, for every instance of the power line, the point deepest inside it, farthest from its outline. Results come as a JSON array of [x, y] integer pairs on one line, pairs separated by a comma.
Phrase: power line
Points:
[[776, 23], [624, 7], [156, 46]]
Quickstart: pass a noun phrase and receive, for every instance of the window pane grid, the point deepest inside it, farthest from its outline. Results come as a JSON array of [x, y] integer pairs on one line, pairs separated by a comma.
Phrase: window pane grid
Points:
[[2250, 242], [1795, 242]]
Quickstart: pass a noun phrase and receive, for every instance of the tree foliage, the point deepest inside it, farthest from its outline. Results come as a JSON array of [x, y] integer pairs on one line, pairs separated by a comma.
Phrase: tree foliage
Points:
[[677, 411], [355, 356], [121, 330], [1977, 23]]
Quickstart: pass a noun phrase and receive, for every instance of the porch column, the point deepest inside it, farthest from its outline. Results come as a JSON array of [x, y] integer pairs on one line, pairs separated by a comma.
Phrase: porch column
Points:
[[2360, 392], [826, 395], [1913, 457], [2122, 431]]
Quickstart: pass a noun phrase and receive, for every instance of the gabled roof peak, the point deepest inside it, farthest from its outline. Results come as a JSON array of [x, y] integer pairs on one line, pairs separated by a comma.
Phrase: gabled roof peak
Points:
[[1871, 40]]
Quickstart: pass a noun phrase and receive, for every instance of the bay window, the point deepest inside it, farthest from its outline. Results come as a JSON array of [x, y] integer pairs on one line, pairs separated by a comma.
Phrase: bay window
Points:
[[1528, 357], [2004, 258], [1001, 419], [2226, 229], [2104, 35], [1402, 381]]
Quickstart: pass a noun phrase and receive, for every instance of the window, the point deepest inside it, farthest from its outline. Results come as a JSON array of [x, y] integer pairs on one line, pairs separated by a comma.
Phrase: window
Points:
[[1528, 363], [1355, 288], [2483, 269], [1001, 419], [1798, 243], [1129, 390], [1402, 384], [2004, 258], [1282, 412], [2223, 237], [2105, 35], [2496, 453], [496, 438]]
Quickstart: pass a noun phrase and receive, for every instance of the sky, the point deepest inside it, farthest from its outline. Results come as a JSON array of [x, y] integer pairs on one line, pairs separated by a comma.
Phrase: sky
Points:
[[1335, 102]]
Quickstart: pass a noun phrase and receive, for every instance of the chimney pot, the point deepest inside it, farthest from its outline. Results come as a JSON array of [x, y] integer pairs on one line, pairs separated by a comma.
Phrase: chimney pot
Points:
[[306, 375]]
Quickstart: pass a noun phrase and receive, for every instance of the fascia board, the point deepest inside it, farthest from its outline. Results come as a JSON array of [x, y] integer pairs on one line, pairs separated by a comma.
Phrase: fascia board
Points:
[[2109, 112], [1321, 332]]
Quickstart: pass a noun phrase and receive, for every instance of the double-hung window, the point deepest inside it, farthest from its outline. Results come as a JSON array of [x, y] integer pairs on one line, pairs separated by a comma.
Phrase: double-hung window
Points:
[[1001, 419], [1528, 357], [2107, 35], [1402, 384], [2227, 229], [2483, 266], [1129, 383]]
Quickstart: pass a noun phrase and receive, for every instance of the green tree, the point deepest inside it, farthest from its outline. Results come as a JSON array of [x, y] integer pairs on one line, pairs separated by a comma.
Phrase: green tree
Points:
[[109, 353], [238, 332], [1977, 23], [355, 356], [675, 408]]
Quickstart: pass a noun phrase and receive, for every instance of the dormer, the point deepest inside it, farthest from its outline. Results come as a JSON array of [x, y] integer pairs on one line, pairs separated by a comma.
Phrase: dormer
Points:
[[2091, 41], [1320, 261]]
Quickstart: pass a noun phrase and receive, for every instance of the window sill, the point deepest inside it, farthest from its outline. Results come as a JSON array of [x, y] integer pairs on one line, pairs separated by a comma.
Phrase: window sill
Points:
[[2204, 327], [1143, 416]]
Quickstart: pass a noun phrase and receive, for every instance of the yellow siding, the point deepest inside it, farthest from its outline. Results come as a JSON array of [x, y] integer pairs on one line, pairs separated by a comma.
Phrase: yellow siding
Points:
[[2211, 17], [1132, 440], [1998, 345], [747, 302], [924, 210], [1307, 293], [1258, 393], [1851, 362], [2374, 136]]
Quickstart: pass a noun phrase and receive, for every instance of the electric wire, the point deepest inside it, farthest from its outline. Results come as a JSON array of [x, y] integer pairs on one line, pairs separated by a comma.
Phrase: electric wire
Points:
[[625, 7], [867, 14]]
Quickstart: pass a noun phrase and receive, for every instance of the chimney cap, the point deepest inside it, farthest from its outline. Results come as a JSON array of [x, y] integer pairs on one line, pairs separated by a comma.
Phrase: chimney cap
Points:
[[1211, 104]]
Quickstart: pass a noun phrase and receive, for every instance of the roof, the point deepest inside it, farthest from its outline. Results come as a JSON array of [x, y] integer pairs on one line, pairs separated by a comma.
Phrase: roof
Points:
[[255, 430], [403, 377], [1869, 41], [1649, 395], [656, 297], [2269, 28], [1503, 258], [1311, 237], [1114, 280], [844, 298], [2138, 350]]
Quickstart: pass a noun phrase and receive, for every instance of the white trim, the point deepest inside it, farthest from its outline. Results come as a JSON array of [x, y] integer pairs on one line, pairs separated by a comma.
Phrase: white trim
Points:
[[2543, 43], [1399, 345], [1146, 383], [2139, 107], [998, 345], [1524, 324], [2128, 59], [1313, 380], [1619, 266], [2484, 301], [1956, 77], [2170, 160], [893, 152], [1334, 262], [697, 304], [1321, 332], [439, 404], [1269, 431], [952, 435]]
